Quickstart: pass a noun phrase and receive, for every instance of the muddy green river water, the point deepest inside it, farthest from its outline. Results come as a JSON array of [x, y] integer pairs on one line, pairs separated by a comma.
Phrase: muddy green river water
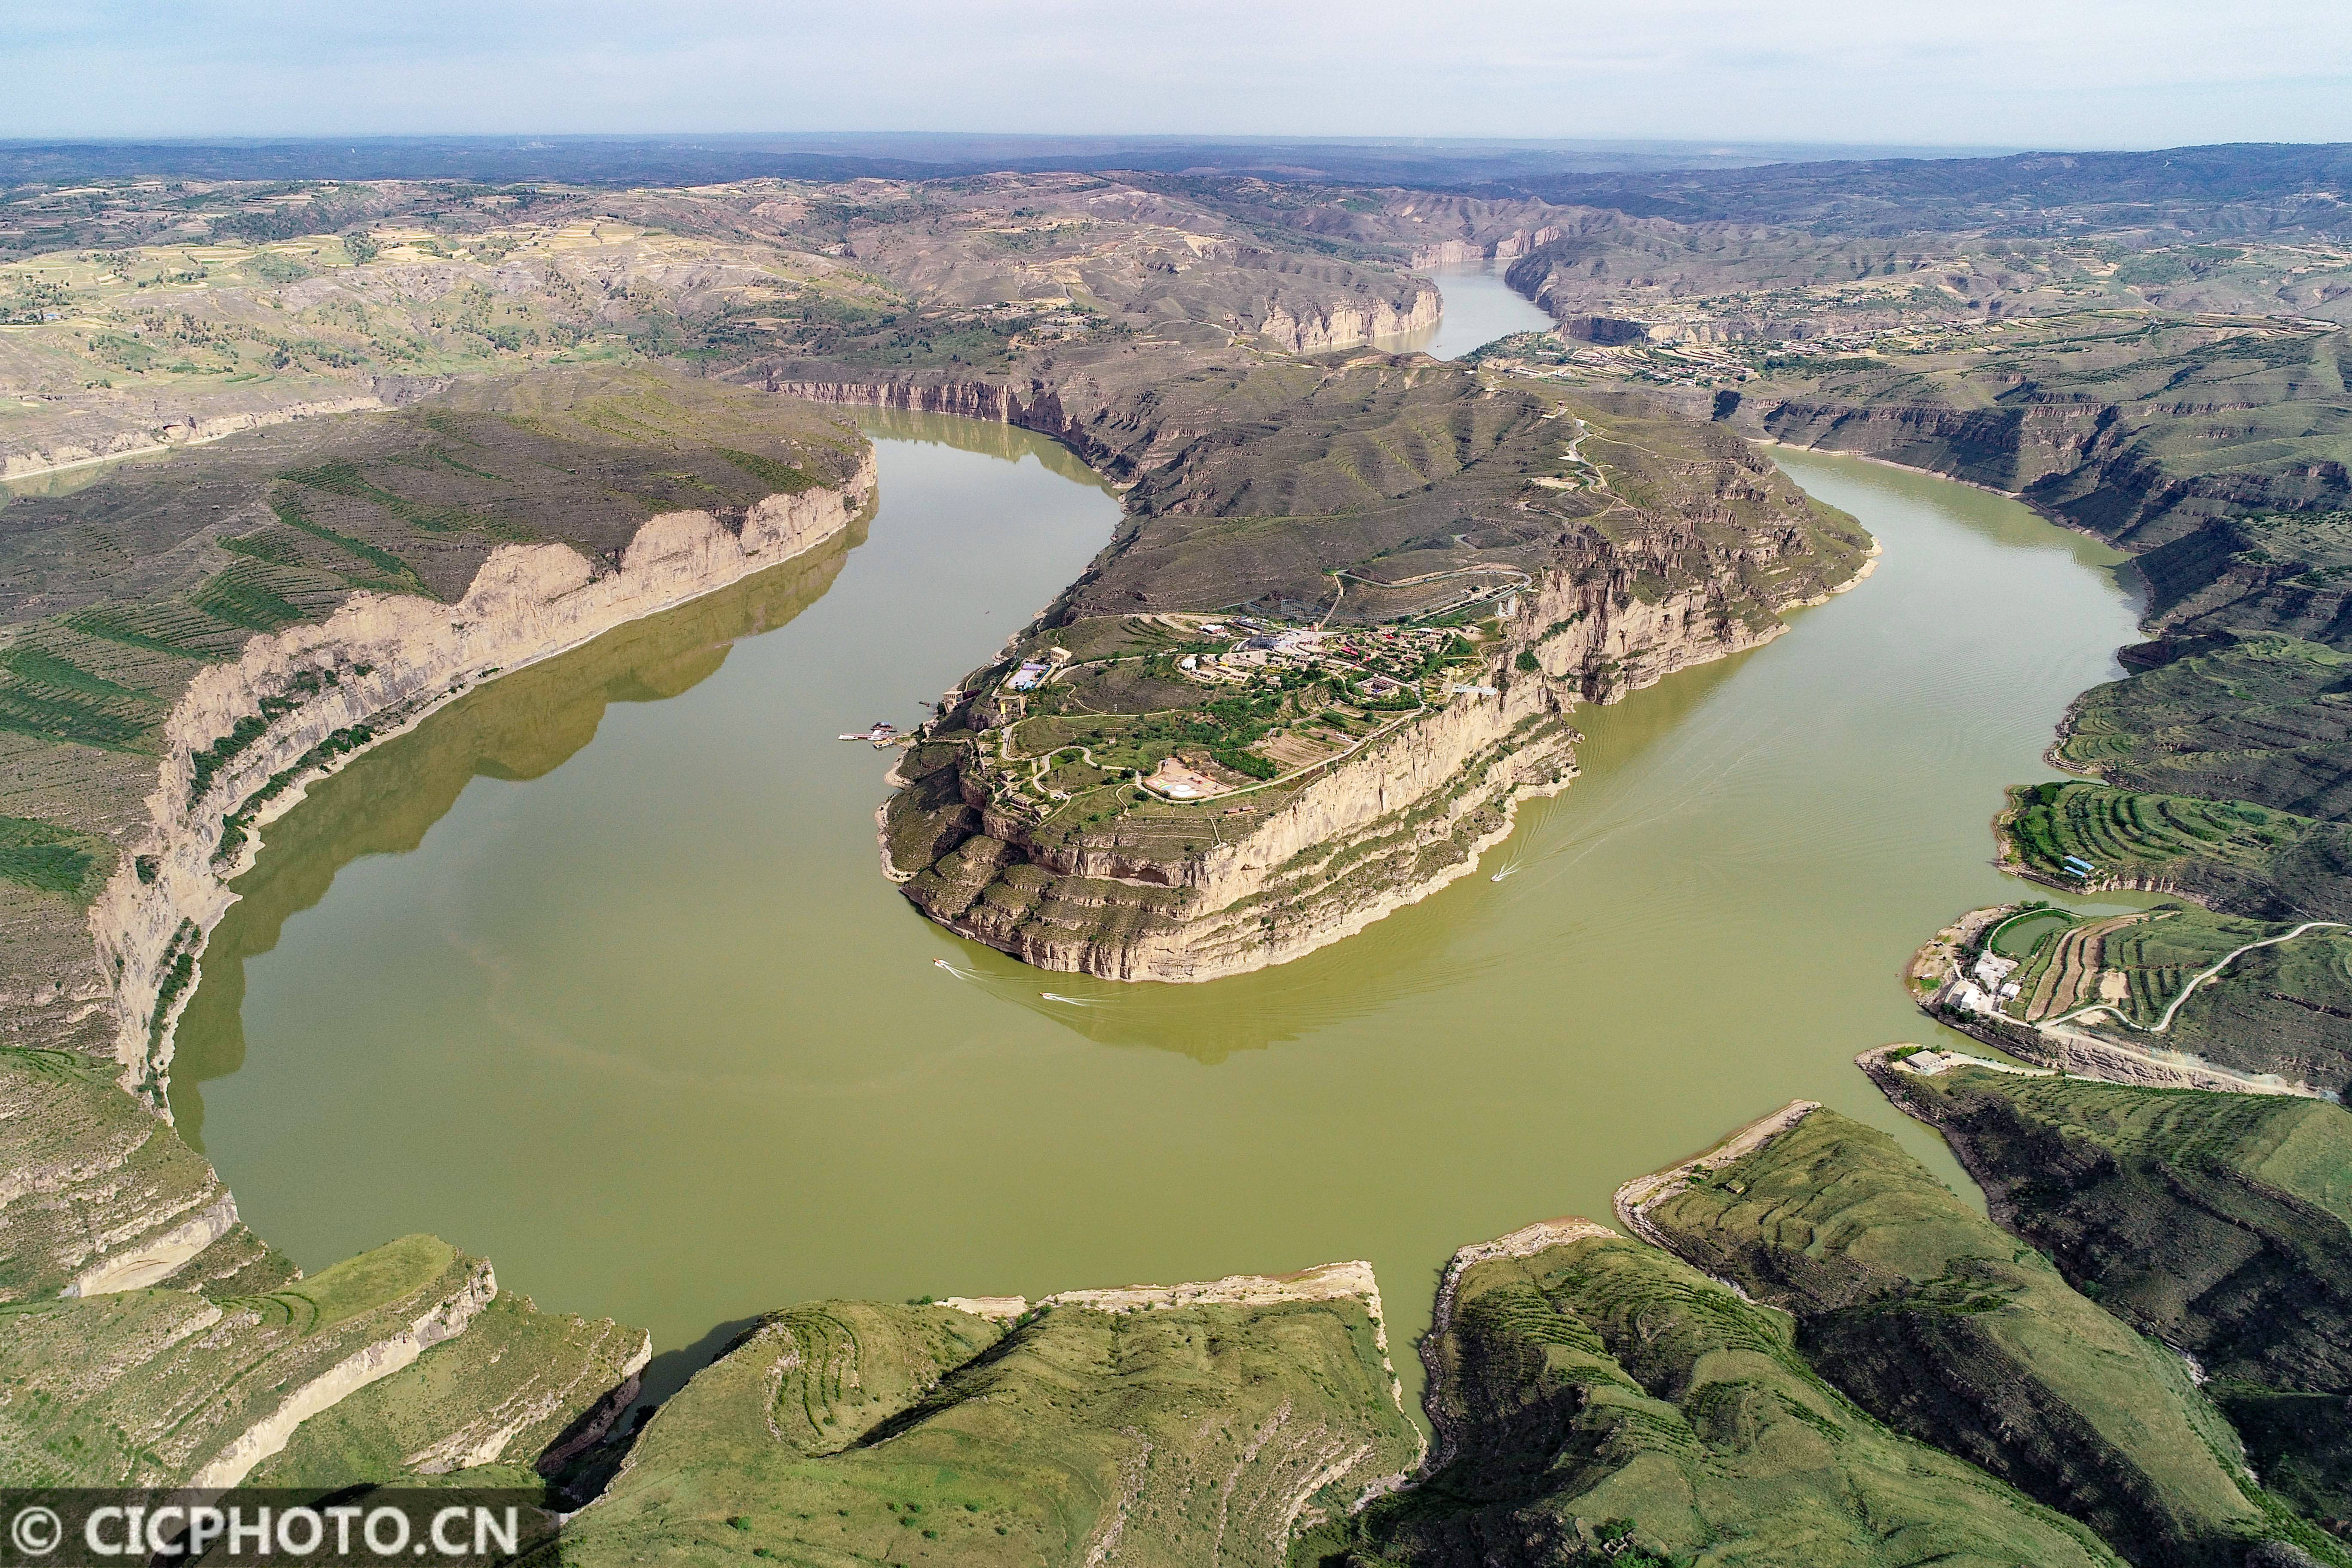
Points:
[[1479, 308], [594, 972]]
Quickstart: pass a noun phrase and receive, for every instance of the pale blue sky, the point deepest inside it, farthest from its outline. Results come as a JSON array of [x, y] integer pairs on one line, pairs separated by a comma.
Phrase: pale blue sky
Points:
[[2071, 73]]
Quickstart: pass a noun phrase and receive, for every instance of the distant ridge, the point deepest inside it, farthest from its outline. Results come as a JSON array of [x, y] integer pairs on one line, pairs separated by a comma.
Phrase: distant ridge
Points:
[[689, 160], [2311, 182]]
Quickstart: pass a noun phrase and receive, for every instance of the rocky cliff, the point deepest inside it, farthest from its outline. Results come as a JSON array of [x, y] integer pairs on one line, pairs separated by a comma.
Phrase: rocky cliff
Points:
[[160, 1340], [247, 735], [1361, 840], [1585, 548], [1322, 326], [1302, 866]]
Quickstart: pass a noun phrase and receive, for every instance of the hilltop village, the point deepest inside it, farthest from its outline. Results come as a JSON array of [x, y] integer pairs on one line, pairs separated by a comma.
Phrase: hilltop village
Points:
[[1250, 702]]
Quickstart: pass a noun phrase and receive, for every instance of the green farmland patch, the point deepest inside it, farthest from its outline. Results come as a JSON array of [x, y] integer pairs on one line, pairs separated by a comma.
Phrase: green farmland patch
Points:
[[48, 858]]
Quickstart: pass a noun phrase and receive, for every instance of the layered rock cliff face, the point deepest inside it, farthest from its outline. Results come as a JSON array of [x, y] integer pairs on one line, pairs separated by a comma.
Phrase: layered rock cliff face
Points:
[[1640, 543], [1389, 827], [1314, 327], [2079, 461], [2002, 449], [247, 735], [1502, 250], [1380, 829], [1036, 405]]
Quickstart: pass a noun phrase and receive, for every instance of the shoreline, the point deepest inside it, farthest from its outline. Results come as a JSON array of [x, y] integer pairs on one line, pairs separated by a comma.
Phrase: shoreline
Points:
[[2017, 495], [1353, 924], [2076, 1053], [1266, 955], [2129, 563], [150, 924]]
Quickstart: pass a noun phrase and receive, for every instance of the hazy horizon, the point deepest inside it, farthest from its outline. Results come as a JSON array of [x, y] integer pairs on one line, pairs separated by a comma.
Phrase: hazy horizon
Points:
[[2095, 75]]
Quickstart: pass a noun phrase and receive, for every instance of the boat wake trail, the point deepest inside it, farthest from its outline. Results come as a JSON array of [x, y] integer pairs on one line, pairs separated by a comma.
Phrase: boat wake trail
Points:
[[1633, 812]]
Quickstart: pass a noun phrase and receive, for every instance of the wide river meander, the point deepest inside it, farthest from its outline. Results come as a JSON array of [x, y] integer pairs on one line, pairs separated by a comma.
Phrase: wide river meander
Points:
[[594, 972]]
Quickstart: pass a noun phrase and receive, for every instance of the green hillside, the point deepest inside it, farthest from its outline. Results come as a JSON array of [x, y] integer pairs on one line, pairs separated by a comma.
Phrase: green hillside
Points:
[[1602, 1401], [1937, 1321], [2218, 1222], [845, 1432]]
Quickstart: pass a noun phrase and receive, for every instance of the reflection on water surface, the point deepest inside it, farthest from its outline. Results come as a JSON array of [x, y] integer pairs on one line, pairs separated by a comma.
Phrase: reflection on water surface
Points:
[[609, 988]]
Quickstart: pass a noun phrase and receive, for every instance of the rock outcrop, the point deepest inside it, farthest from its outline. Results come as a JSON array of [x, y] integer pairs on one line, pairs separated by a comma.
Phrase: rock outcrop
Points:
[[247, 735], [1382, 830], [1384, 827], [1315, 327]]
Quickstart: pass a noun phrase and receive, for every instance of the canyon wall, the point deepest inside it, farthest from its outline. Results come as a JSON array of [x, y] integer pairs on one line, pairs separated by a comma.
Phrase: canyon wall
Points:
[[1389, 825], [1321, 328], [2079, 462], [1502, 250], [1365, 835], [247, 736]]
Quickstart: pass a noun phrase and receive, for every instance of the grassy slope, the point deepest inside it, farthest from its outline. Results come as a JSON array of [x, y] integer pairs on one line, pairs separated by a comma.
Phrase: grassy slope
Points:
[[480, 1409], [2265, 719], [1933, 1319], [845, 1432], [2242, 858], [148, 1385], [93, 1163], [2285, 1009], [2218, 1222], [1608, 1401], [1403, 467]]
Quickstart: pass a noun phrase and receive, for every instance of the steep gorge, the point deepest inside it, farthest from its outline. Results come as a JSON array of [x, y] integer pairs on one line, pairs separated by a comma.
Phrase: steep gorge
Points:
[[1691, 556], [373, 669]]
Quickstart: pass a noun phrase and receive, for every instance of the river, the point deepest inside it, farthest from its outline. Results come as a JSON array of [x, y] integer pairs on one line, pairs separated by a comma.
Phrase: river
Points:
[[594, 972], [1479, 308]]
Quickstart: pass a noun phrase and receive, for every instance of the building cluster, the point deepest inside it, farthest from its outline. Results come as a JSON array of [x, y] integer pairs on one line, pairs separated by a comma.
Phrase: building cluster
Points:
[[1985, 986], [1033, 671], [1378, 661]]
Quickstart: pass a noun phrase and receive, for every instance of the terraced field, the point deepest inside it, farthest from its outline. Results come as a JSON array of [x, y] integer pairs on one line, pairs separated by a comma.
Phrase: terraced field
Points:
[[2262, 719], [2246, 860], [2064, 972]]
